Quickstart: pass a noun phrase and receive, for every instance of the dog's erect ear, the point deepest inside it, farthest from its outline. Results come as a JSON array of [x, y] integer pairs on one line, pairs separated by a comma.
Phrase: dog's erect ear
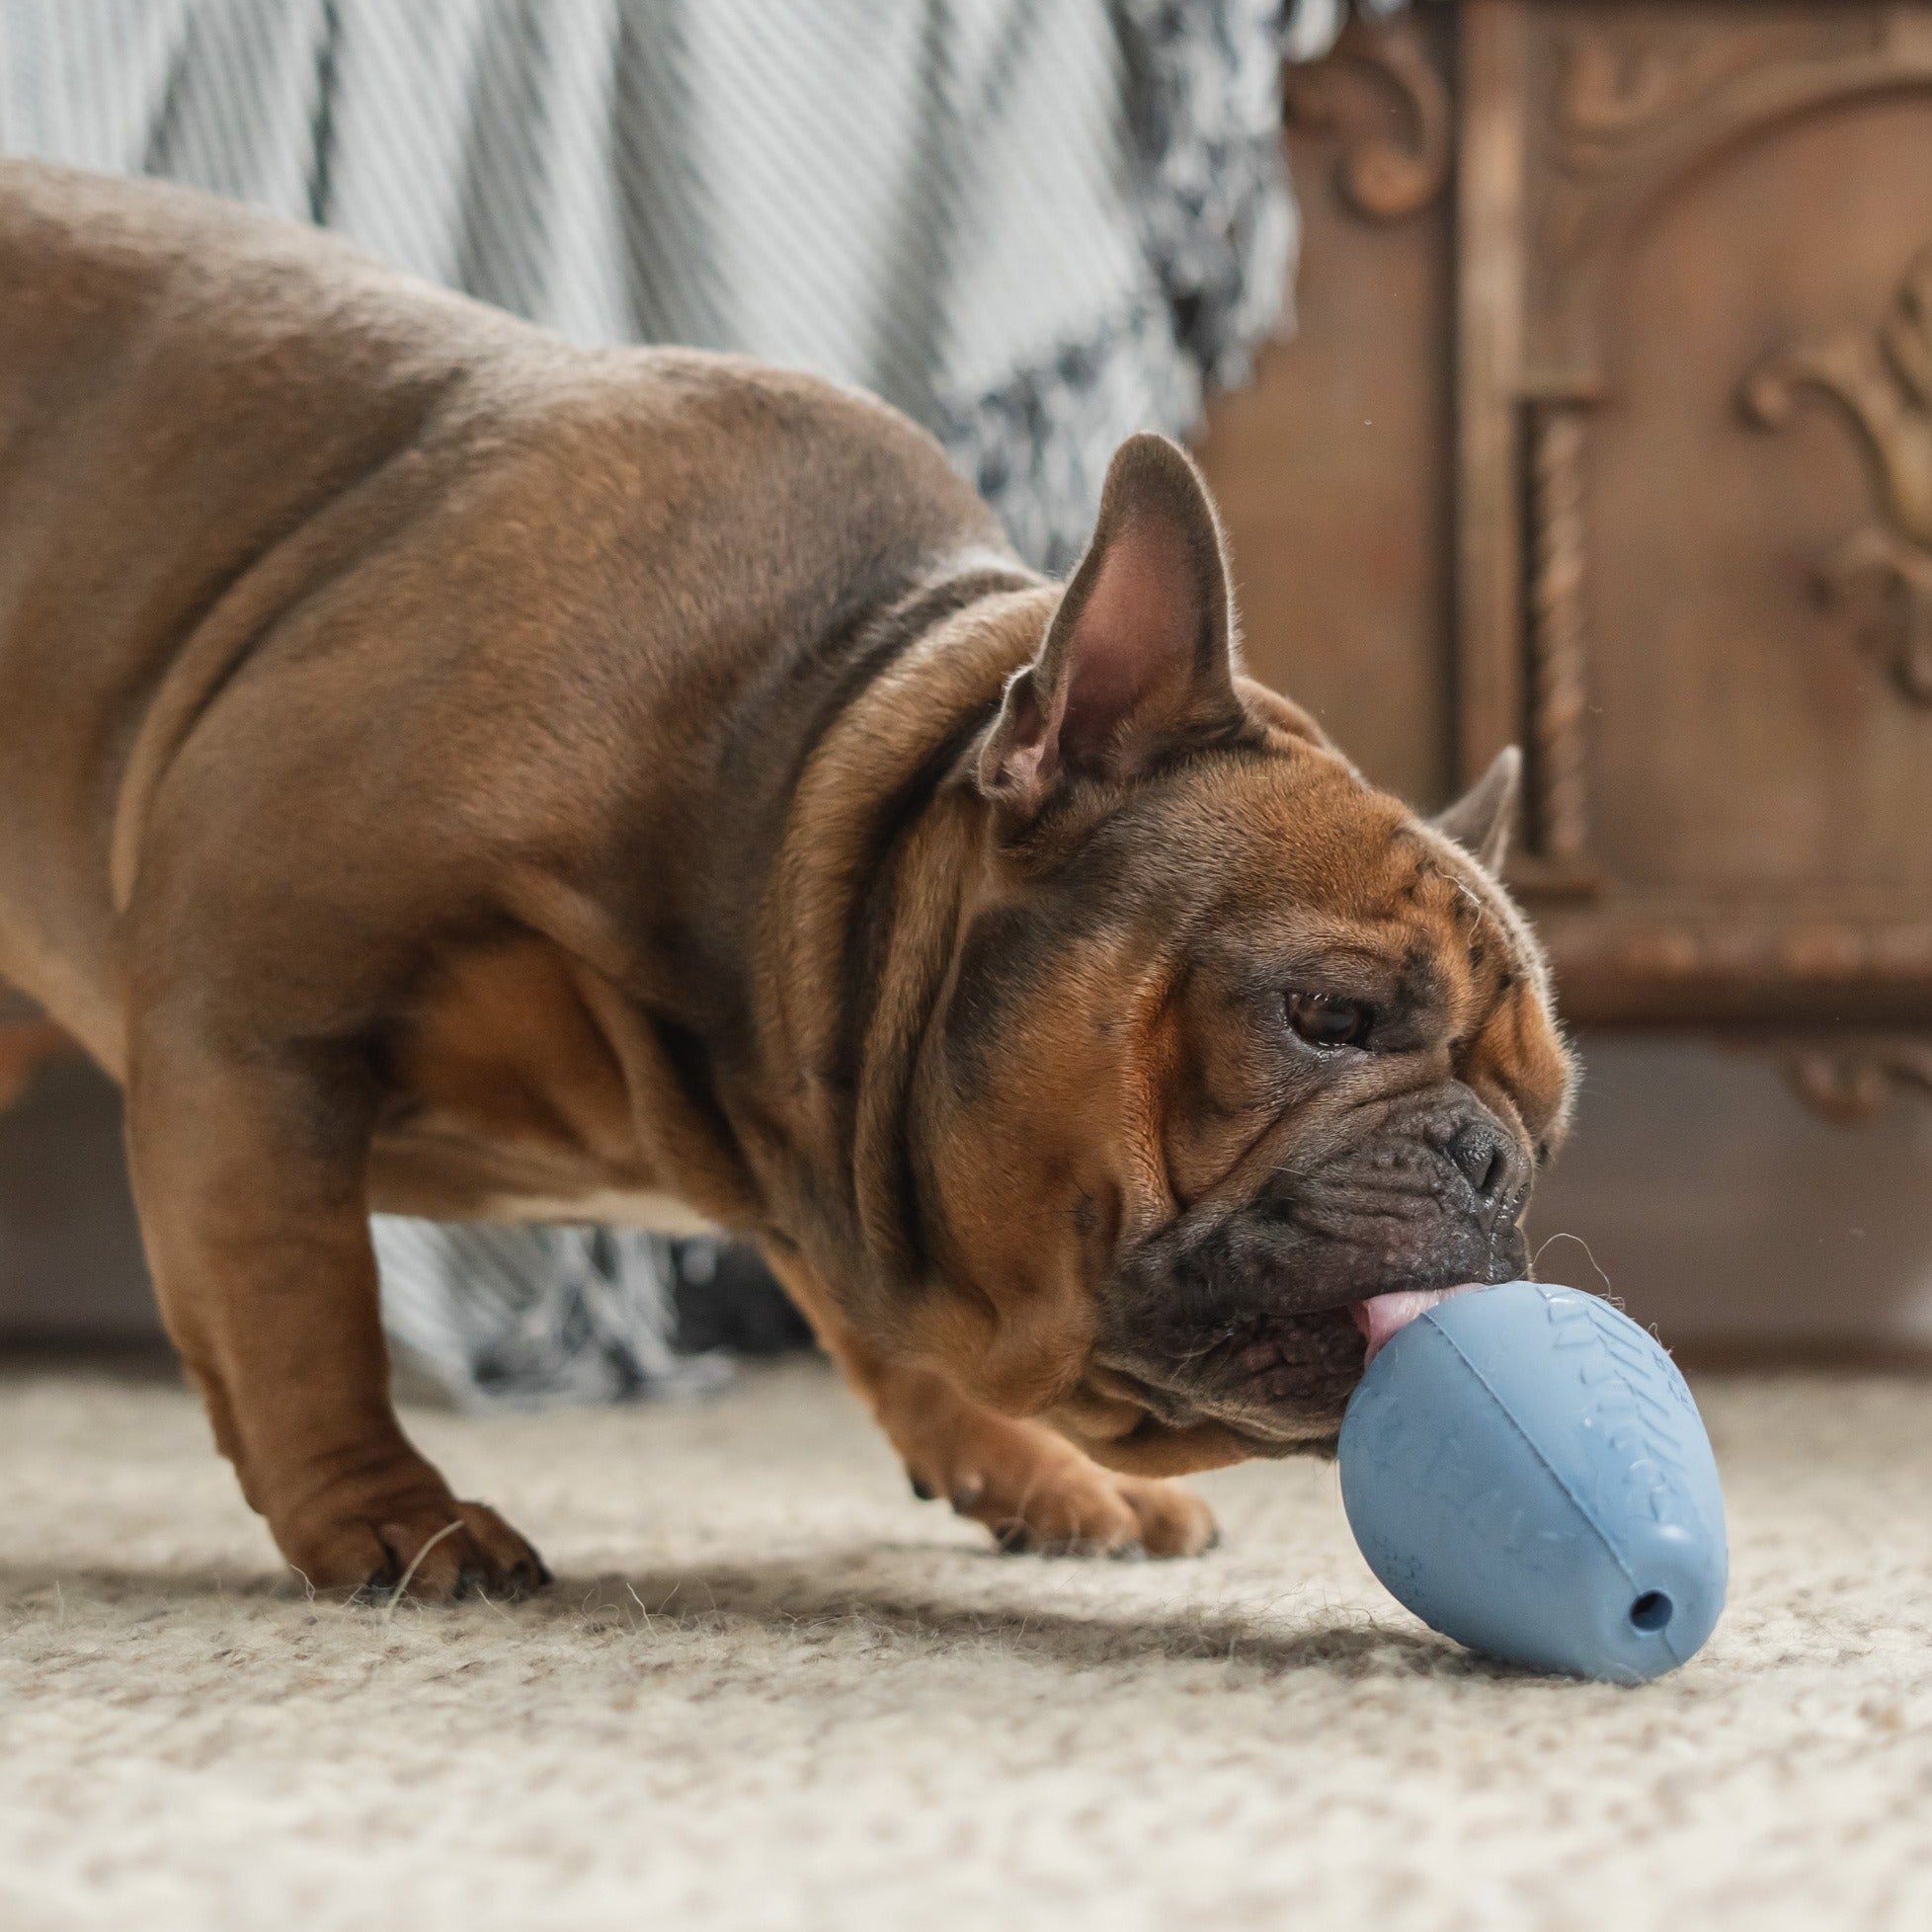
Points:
[[1140, 658], [1481, 819]]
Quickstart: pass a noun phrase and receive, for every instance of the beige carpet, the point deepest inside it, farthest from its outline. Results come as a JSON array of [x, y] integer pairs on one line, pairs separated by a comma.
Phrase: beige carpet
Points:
[[770, 1690]]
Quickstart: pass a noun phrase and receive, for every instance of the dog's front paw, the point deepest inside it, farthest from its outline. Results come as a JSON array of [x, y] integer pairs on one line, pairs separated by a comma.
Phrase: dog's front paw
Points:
[[428, 1547], [1036, 1492]]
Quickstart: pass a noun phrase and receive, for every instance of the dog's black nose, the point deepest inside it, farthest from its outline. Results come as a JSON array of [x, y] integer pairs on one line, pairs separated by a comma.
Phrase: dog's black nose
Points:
[[1481, 1155]]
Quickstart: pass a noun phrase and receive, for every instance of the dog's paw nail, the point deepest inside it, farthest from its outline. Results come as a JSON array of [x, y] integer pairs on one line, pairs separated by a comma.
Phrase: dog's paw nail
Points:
[[1128, 1552], [923, 1488], [964, 1497], [1012, 1538], [1214, 1539]]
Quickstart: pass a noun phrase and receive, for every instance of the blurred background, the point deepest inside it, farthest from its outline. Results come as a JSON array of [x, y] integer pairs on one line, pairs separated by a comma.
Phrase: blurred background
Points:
[[1563, 368]]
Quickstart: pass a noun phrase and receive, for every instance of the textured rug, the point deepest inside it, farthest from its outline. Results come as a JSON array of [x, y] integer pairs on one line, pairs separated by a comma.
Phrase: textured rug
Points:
[[771, 1690]]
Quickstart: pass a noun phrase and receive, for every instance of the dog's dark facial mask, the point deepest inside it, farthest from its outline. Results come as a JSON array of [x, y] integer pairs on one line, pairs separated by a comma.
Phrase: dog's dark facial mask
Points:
[[1269, 1046], [1391, 1053]]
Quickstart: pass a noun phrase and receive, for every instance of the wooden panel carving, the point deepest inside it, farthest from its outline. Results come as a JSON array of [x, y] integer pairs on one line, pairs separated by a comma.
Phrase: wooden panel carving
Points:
[[1559, 830], [1622, 84], [1384, 176], [1631, 101], [1854, 1082], [1672, 962], [1882, 380], [1649, 196]]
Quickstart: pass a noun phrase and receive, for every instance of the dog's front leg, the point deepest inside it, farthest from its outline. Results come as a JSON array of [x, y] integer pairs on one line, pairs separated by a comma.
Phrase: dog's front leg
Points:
[[249, 1171], [1026, 1483]]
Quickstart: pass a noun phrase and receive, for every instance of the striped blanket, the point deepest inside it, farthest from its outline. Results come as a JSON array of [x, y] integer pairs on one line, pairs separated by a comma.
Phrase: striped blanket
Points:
[[1036, 225]]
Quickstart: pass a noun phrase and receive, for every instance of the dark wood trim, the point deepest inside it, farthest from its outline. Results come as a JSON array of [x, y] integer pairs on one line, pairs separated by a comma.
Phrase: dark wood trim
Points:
[[1489, 202]]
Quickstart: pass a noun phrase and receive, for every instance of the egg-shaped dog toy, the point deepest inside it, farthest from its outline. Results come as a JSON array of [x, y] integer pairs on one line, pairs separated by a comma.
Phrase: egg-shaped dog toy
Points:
[[1524, 1468]]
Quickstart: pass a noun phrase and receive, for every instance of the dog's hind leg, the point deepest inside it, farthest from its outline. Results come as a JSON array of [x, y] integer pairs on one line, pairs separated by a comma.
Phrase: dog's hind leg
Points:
[[249, 1171], [1025, 1482]]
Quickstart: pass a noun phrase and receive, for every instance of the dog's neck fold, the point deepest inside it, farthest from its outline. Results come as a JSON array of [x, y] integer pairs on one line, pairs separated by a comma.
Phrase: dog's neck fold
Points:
[[860, 924]]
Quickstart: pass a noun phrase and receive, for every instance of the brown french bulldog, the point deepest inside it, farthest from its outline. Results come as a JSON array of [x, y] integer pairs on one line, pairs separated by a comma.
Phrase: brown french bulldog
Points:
[[448, 770]]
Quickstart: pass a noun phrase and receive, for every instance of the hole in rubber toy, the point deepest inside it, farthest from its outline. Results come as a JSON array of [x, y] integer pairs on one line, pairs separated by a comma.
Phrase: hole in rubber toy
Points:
[[1651, 1611]]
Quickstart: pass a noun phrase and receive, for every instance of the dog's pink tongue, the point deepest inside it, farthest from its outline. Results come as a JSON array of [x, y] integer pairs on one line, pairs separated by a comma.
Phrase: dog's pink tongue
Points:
[[1383, 1315]]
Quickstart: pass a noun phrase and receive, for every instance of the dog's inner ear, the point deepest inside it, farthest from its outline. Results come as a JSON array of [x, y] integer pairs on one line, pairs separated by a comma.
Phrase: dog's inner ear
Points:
[[1480, 821], [1139, 659]]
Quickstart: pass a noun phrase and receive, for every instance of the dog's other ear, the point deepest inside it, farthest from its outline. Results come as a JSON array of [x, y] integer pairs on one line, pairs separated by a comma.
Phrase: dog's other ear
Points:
[[1480, 821], [1140, 656]]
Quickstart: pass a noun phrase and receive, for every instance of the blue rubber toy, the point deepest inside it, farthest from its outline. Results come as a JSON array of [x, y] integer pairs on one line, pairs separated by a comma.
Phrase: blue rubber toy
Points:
[[1524, 1468]]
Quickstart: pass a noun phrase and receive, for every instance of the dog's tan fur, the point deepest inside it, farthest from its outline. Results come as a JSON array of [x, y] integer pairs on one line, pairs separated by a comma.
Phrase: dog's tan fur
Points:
[[451, 772]]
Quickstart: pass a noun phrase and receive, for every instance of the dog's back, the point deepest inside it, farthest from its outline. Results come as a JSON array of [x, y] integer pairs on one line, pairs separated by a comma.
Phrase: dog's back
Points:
[[224, 435], [183, 384]]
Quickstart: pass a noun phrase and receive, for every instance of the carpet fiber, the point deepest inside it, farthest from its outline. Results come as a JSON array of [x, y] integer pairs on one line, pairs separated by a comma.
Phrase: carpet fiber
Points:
[[771, 1690]]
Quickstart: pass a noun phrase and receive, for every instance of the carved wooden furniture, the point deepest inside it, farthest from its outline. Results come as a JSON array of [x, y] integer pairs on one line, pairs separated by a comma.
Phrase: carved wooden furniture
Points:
[[1609, 430]]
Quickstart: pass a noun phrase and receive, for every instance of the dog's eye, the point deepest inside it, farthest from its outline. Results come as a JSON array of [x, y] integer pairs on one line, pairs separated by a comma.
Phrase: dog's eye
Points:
[[1324, 1019]]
